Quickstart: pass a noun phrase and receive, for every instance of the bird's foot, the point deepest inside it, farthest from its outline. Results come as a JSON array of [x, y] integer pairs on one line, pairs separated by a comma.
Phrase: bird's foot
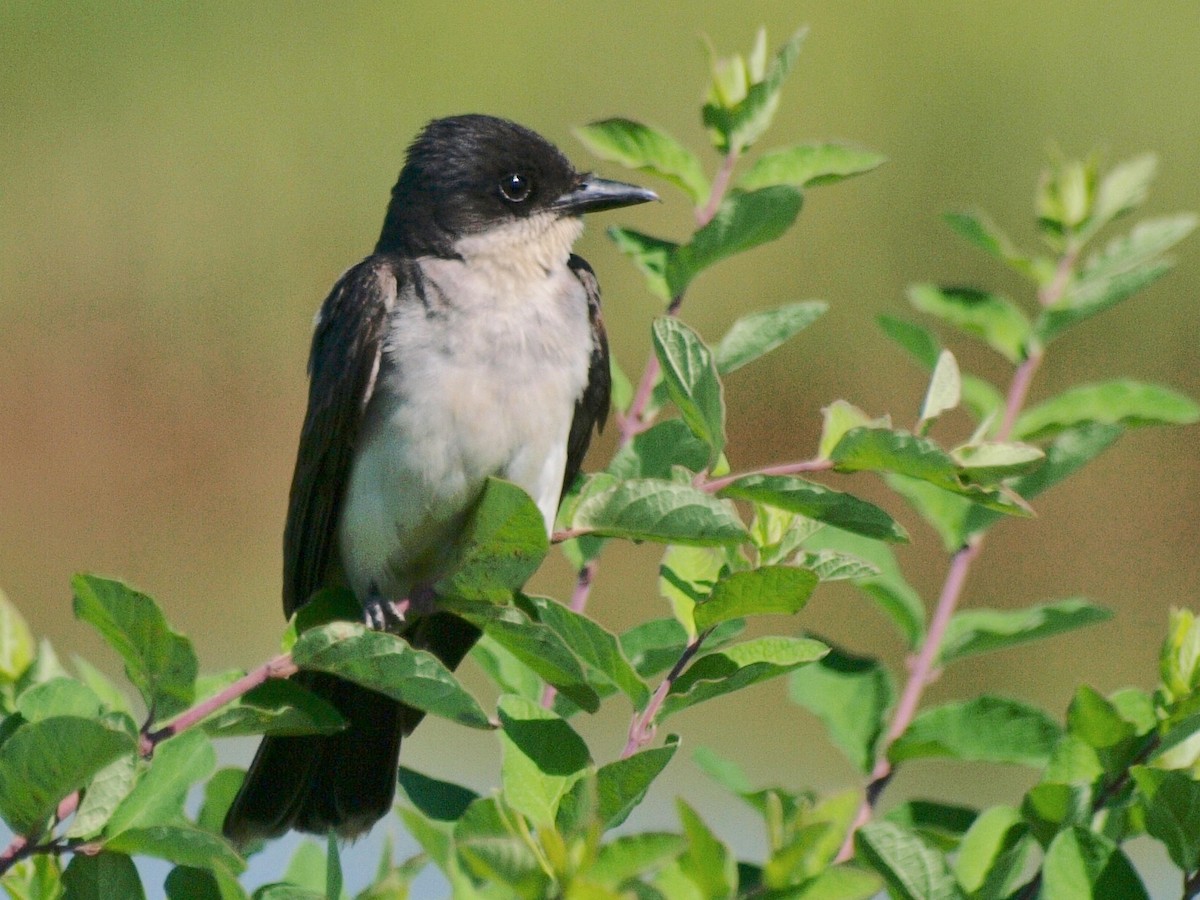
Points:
[[381, 614]]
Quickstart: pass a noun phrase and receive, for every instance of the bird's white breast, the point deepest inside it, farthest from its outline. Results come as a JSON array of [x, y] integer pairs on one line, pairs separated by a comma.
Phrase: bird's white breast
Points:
[[481, 379]]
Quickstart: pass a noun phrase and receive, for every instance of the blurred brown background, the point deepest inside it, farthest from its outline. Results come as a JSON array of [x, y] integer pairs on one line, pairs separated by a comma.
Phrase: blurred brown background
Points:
[[181, 184]]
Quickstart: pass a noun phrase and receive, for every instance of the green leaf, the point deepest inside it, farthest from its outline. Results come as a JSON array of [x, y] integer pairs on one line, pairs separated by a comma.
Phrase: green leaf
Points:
[[638, 146], [651, 255], [816, 501], [102, 686], [692, 381], [440, 800], [974, 631], [991, 461], [491, 850], [621, 785], [542, 758], [851, 695], [654, 452], [103, 876], [390, 665], [911, 868], [1144, 244], [35, 878], [1090, 296], [737, 119], [510, 675], [1096, 721], [990, 317], [187, 883], [180, 843], [58, 697], [758, 333], [535, 645], [991, 858], [809, 165], [219, 793], [158, 796], [895, 597], [840, 883], [42, 762], [1066, 454], [597, 647], [104, 794], [944, 512], [502, 544], [1119, 402], [779, 590], [686, 576], [1172, 801], [158, 660], [1122, 189], [739, 666], [278, 707], [1082, 864], [984, 729], [839, 418], [17, 646], [917, 340], [631, 855], [707, 861], [940, 824], [651, 509], [743, 221], [983, 233], [945, 389], [883, 450]]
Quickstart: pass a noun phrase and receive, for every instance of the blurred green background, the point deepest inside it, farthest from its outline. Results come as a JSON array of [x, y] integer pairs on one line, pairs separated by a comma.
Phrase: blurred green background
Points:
[[181, 184]]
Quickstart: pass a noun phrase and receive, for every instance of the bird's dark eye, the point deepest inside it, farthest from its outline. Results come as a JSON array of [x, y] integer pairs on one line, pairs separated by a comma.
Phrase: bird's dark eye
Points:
[[516, 187]]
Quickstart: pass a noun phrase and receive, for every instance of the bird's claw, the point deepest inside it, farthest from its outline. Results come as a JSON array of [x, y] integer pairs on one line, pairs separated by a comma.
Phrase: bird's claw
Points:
[[384, 615]]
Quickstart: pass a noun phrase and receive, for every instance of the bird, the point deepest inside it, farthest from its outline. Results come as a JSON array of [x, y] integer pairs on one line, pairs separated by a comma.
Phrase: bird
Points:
[[469, 344]]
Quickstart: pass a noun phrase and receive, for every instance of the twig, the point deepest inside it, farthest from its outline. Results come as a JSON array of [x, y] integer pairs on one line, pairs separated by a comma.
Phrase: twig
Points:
[[713, 485], [921, 670], [642, 728], [279, 667]]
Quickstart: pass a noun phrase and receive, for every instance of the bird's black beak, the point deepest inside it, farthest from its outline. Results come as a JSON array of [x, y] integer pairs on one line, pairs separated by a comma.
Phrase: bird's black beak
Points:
[[594, 194]]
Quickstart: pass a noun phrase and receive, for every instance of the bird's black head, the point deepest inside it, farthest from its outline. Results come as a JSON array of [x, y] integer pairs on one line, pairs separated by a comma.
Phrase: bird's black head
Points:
[[465, 174]]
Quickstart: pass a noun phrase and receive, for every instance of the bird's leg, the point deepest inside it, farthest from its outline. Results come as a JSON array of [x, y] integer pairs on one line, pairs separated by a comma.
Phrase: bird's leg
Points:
[[382, 614]]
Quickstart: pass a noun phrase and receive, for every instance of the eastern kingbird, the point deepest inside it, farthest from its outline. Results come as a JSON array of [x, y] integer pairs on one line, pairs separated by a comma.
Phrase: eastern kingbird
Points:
[[469, 344]]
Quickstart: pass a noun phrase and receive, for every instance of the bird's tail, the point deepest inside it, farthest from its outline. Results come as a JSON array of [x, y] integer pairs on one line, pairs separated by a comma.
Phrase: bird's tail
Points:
[[342, 782]]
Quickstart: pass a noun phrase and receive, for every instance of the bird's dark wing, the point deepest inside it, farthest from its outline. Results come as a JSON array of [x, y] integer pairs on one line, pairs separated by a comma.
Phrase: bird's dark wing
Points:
[[346, 352], [591, 409]]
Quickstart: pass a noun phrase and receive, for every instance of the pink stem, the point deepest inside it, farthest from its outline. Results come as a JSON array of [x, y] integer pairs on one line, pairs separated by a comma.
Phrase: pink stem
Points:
[[279, 667], [643, 726], [713, 485]]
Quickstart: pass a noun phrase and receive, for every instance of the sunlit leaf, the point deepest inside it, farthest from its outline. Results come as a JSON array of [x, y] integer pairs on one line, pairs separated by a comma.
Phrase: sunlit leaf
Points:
[[647, 149], [743, 221], [390, 665], [758, 333], [983, 729], [692, 381], [809, 165], [42, 762], [994, 319], [816, 501], [973, 631], [850, 695], [664, 511], [158, 660], [1119, 402]]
